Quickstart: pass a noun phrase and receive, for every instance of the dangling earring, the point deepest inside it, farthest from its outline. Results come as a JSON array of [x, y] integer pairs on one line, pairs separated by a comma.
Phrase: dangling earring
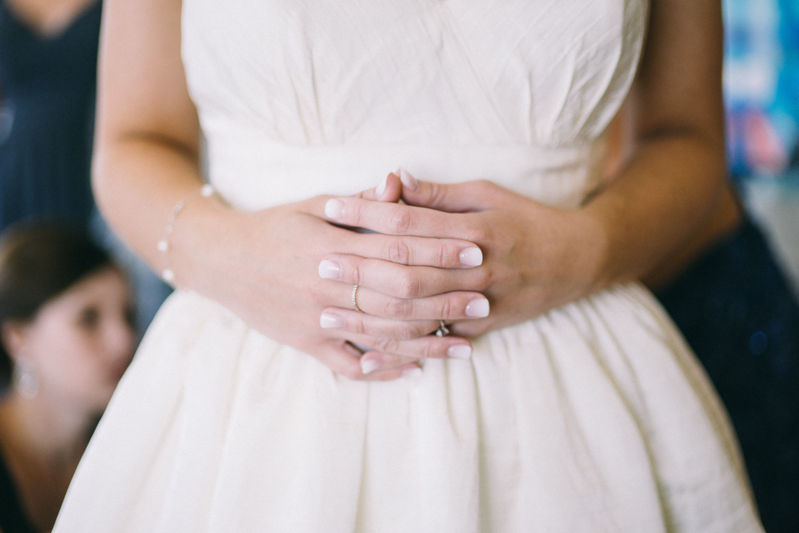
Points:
[[25, 378]]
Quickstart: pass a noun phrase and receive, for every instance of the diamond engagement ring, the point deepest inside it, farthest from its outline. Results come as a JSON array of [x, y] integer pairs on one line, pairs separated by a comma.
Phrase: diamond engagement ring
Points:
[[442, 330]]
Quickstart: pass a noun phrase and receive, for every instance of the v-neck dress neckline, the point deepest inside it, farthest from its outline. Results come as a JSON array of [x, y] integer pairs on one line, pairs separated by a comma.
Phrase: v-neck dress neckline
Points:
[[79, 18]]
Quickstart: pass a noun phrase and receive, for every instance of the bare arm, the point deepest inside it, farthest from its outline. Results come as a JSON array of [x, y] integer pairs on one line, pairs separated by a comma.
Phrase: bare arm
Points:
[[727, 215], [675, 178], [147, 137]]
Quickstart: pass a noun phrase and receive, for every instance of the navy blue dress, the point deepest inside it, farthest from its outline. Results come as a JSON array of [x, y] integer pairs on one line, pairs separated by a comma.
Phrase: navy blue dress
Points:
[[47, 89]]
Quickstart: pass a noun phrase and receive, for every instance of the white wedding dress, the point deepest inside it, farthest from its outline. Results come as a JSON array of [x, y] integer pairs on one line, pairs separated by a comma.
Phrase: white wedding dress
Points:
[[592, 418]]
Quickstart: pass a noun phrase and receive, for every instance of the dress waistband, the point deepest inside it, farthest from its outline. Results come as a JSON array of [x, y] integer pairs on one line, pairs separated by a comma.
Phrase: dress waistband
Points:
[[254, 174]]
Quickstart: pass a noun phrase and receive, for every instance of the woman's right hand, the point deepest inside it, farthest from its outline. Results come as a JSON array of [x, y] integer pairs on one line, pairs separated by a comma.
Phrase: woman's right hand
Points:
[[269, 268]]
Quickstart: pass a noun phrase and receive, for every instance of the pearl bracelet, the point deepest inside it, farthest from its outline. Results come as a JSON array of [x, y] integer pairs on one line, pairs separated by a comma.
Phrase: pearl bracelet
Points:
[[164, 245]]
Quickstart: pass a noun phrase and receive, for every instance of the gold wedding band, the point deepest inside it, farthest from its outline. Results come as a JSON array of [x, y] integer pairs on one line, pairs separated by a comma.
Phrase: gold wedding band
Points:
[[354, 300]]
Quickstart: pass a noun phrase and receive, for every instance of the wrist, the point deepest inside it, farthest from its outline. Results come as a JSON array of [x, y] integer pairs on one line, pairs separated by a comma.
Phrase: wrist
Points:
[[165, 244], [198, 242], [593, 251]]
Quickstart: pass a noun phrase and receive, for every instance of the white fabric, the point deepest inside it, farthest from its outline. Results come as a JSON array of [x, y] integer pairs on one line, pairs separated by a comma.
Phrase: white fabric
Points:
[[594, 417]]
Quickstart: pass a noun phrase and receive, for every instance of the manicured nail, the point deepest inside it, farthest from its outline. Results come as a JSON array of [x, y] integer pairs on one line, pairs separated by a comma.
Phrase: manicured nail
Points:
[[381, 188], [471, 257], [477, 308], [329, 270], [459, 351], [369, 365], [412, 372], [328, 321], [408, 180], [334, 208]]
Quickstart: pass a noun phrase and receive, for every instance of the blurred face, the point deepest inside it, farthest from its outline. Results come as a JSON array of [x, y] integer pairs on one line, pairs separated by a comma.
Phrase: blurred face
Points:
[[82, 341]]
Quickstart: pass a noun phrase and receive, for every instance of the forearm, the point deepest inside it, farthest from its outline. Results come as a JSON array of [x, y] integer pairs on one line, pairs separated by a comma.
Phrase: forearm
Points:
[[675, 175], [667, 192], [146, 156], [138, 180]]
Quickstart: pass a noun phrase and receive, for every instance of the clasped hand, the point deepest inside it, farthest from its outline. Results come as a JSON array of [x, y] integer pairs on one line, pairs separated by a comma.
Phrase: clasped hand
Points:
[[287, 270], [533, 257], [443, 255]]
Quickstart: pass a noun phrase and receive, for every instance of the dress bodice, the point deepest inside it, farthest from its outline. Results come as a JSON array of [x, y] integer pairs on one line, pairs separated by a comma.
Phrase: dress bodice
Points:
[[310, 97]]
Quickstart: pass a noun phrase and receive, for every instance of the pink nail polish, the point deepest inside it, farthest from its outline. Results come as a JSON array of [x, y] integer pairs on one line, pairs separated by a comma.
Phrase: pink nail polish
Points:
[[471, 257], [368, 366], [412, 372], [334, 208], [381, 188], [329, 270], [330, 321], [459, 351], [477, 308], [408, 180]]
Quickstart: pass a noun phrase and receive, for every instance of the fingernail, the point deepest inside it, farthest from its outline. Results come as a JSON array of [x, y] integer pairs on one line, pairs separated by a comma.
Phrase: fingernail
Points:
[[459, 351], [408, 180], [477, 308], [381, 188], [328, 321], [471, 257], [412, 372], [334, 208], [329, 270], [369, 365]]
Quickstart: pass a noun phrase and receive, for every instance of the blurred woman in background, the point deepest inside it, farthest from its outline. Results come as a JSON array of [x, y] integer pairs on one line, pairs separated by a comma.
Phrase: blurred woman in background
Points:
[[67, 338], [48, 79]]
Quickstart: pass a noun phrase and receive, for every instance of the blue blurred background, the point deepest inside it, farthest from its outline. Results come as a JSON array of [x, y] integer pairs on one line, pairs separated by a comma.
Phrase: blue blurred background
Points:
[[761, 86]]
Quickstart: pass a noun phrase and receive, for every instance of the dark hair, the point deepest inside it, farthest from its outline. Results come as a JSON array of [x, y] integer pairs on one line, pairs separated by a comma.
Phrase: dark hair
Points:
[[39, 261]]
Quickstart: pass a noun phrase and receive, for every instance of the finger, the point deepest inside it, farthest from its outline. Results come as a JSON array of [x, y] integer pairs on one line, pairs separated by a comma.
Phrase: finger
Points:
[[406, 371], [377, 366], [367, 326], [388, 190], [344, 359], [391, 352], [415, 251], [374, 326], [397, 219], [469, 329], [448, 306], [402, 249], [397, 280], [465, 197]]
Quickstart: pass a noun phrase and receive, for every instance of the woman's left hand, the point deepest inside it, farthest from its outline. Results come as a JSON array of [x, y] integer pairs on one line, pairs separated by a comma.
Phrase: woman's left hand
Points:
[[535, 257]]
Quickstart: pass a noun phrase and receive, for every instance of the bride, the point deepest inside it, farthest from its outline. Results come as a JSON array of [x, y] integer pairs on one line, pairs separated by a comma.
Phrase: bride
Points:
[[292, 382]]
